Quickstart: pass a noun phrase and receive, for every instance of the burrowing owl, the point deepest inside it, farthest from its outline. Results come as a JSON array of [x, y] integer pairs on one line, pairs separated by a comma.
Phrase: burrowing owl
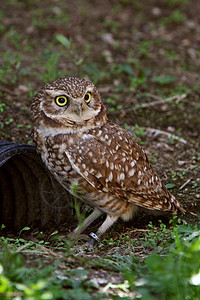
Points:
[[83, 149]]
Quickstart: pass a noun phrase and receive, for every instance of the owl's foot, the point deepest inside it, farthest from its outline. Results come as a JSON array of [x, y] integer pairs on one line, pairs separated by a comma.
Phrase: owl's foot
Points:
[[76, 234], [91, 218]]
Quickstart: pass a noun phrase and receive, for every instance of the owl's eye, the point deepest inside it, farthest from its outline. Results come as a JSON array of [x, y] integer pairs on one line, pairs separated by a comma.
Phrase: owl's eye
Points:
[[87, 97], [61, 100]]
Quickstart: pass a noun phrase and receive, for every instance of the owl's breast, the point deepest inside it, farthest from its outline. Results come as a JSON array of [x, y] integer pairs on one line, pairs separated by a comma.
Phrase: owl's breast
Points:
[[52, 149]]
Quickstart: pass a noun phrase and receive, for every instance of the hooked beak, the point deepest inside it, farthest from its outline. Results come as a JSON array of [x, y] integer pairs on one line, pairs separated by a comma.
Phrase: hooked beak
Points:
[[78, 109]]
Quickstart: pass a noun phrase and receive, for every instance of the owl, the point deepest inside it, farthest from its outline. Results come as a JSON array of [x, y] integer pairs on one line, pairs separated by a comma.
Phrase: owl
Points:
[[93, 157]]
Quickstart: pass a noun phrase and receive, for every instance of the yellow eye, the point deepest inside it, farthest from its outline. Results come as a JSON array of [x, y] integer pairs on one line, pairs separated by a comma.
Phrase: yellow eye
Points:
[[87, 97], [61, 100]]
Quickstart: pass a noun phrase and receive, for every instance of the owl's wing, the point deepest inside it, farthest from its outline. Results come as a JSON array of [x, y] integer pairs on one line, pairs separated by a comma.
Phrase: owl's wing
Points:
[[115, 163]]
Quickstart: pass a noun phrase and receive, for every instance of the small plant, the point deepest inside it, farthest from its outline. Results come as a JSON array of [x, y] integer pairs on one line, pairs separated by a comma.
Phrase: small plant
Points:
[[114, 104], [10, 68], [144, 48], [3, 107], [15, 37], [139, 131], [170, 186], [174, 3], [63, 40], [26, 282], [92, 70], [158, 238], [137, 82], [9, 121], [176, 17], [164, 80], [50, 68], [182, 174], [112, 25], [125, 68], [175, 276], [173, 175]]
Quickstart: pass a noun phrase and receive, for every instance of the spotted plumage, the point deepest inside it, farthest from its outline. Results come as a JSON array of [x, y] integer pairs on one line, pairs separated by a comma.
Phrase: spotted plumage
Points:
[[82, 148]]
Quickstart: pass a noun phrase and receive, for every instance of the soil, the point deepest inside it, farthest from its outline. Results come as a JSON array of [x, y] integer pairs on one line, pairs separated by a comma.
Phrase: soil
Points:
[[137, 52]]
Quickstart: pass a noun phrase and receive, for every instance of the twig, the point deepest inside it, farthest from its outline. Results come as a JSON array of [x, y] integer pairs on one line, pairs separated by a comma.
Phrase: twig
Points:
[[185, 184], [139, 230], [34, 252], [176, 98], [23, 247], [193, 214], [154, 96], [44, 250], [156, 132]]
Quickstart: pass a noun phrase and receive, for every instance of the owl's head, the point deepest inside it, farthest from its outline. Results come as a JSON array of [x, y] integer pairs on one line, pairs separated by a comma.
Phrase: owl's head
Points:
[[68, 101]]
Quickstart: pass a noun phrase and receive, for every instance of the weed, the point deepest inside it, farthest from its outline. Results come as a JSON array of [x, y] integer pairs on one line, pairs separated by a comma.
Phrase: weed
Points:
[[26, 282], [181, 174], [173, 274], [10, 68], [111, 101], [137, 82], [114, 104], [62, 17], [153, 158], [139, 131], [173, 174], [144, 49], [195, 184], [2, 29], [125, 68], [174, 3], [176, 17], [9, 121], [164, 80], [112, 25], [41, 282], [31, 93], [181, 89], [63, 40], [158, 239], [171, 139], [140, 80], [171, 55], [50, 68], [3, 107], [15, 38], [92, 70], [170, 186], [178, 270]]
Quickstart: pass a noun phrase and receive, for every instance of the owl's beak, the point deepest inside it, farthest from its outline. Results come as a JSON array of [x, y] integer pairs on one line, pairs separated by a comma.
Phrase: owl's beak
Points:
[[78, 109]]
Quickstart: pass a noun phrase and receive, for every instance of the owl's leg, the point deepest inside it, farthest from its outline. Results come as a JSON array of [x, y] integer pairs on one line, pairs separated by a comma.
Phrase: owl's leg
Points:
[[93, 216], [109, 221]]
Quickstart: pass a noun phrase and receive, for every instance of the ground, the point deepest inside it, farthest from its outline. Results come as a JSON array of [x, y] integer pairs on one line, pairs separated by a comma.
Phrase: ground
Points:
[[144, 57]]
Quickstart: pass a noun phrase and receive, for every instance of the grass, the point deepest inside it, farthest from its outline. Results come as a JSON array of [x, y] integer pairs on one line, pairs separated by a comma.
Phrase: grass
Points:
[[167, 268]]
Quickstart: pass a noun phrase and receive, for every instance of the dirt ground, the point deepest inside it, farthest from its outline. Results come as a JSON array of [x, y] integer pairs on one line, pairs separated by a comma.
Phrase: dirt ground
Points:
[[138, 53]]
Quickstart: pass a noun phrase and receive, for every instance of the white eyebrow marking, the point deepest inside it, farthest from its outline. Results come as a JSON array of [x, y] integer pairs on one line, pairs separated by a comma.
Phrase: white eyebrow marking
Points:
[[56, 92]]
